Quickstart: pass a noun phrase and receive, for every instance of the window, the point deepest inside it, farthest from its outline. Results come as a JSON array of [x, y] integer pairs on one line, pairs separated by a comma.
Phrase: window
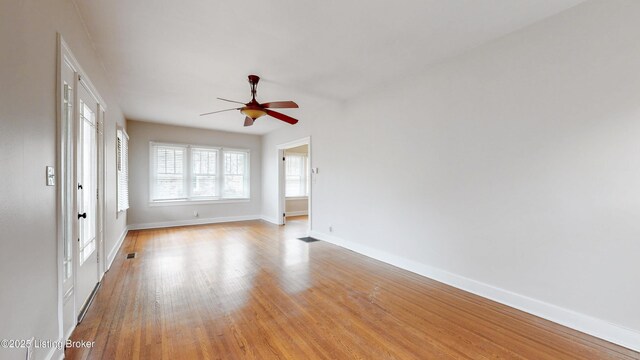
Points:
[[296, 168], [122, 164], [197, 173], [204, 182], [169, 177], [236, 179]]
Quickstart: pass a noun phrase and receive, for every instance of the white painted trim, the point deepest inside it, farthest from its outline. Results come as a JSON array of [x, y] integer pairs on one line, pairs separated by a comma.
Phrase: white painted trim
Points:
[[297, 213], [269, 219], [296, 198], [197, 202], [85, 79], [616, 334], [52, 354], [116, 248], [295, 143], [281, 204], [66, 163], [165, 224]]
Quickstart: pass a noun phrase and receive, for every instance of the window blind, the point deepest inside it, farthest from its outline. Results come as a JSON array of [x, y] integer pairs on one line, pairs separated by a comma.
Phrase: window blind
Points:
[[122, 163], [168, 175]]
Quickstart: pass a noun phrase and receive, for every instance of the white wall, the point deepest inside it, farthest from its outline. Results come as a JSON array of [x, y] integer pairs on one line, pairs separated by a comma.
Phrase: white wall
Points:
[[296, 206], [28, 249], [519, 164], [316, 116], [142, 214]]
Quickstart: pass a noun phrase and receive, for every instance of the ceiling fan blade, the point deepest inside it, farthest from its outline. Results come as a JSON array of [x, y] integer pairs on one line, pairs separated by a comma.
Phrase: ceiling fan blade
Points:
[[213, 112], [280, 105], [248, 121], [233, 101], [281, 116]]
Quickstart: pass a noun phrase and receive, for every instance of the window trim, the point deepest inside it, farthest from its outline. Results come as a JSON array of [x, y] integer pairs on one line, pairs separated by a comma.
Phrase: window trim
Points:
[[200, 200], [119, 153], [297, 197]]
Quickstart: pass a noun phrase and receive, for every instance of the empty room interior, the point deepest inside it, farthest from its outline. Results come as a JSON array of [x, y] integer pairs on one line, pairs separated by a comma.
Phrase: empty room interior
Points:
[[437, 179]]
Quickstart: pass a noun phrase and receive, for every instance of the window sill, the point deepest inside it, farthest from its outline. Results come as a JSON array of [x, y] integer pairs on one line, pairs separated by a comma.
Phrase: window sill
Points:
[[196, 202], [297, 198]]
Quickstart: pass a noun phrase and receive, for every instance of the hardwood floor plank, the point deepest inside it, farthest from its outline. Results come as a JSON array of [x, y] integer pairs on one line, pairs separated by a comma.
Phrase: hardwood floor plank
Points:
[[251, 290]]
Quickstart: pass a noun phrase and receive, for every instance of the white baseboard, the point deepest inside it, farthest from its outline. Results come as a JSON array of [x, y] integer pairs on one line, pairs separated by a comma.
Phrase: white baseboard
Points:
[[297, 213], [199, 221], [599, 328], [269, 219], [116, 248]]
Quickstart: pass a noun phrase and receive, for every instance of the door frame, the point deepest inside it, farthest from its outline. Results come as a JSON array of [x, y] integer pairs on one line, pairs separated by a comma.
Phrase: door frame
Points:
[[82, 305], [66, 204], [281, 178]]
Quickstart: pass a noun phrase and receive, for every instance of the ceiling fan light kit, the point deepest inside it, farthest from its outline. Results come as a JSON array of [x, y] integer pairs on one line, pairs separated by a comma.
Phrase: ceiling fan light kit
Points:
[[253, 113], [253, 109]]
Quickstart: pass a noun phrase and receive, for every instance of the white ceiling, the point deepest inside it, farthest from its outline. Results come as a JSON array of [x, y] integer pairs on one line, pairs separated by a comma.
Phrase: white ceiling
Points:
[[168, 60]]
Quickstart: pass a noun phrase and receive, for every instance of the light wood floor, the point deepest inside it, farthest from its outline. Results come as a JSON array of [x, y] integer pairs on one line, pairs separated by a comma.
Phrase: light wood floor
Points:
[[252, 290]]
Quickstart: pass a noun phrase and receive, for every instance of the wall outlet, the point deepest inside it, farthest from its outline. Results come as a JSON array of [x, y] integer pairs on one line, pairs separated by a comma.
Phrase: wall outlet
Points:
[[195, 213], [330, 228]]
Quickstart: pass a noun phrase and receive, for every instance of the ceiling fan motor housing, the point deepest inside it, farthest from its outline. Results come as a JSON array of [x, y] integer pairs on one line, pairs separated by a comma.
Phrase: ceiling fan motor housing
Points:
[[253, 79]]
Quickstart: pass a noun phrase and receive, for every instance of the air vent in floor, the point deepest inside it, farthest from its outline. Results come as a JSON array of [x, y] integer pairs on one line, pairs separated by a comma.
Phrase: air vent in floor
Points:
[[131, 255], [308, 239]]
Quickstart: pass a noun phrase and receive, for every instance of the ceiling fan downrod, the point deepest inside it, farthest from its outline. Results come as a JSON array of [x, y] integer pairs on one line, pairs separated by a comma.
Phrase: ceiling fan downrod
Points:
[[253, 81]]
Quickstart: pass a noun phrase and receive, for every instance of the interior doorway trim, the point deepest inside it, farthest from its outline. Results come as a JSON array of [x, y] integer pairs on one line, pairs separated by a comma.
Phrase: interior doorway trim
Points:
[[66, 177], [281, 178]]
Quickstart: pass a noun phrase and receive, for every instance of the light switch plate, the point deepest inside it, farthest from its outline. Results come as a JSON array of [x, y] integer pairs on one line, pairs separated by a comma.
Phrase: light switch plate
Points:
[[51, 176]]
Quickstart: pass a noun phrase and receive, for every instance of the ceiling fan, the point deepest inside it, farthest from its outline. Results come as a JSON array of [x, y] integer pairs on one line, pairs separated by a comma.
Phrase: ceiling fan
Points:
[[253, 109]]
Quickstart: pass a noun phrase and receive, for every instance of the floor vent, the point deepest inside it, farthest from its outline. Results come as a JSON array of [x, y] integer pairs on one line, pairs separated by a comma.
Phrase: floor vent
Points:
[[131, 255], [308, 239]]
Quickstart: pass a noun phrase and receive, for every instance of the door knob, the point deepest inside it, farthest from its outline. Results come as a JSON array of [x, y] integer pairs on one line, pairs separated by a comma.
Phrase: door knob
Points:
[[83, 215]]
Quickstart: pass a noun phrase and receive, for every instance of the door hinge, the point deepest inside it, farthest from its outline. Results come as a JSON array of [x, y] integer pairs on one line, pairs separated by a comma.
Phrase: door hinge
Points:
[[283, 159]]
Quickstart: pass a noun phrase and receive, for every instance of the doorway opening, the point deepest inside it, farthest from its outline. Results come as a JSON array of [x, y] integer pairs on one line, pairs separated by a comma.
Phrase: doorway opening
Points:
[[295, 183]]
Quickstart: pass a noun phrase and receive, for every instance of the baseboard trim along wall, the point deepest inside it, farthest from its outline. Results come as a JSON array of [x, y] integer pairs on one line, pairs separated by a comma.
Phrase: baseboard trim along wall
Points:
[[614, 333], [297, 213], [199, 221], [269, 219], [114, 251]]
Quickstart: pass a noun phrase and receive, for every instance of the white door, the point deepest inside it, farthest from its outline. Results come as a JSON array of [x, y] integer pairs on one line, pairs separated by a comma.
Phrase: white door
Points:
[[87, 274]]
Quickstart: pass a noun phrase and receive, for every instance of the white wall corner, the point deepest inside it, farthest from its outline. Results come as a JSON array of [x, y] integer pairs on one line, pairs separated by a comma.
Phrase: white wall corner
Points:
[[599, 328], [165, 224], [269, 219]]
